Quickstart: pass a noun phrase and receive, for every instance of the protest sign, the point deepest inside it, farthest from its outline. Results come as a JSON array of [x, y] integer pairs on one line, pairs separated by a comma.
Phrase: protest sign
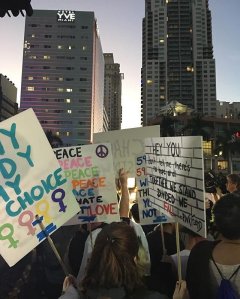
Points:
[[89, 168], [31, 183], [126, 145], [148, 214], [175, 177]]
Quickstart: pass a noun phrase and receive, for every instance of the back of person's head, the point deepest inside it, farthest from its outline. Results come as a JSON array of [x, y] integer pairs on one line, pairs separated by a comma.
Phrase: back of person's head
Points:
[[135, 212], [234, 179], [112, 264], [227, 215], [190, 238]]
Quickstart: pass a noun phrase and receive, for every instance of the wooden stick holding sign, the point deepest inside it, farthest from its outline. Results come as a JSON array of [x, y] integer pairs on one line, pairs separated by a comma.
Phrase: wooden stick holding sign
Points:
[[50, 241], [178, 253], [163, 244]]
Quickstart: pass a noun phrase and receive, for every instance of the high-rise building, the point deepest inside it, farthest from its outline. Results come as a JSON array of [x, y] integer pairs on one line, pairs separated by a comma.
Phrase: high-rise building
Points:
[[113, 92], [63, 73], [8, 98], [177, 57]]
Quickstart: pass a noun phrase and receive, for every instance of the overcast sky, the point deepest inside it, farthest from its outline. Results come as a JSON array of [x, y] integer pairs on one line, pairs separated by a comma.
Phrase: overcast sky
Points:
[[120, 27]]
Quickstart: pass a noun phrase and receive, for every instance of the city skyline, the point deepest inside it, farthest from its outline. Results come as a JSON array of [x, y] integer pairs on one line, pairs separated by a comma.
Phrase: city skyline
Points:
[[123, 38]]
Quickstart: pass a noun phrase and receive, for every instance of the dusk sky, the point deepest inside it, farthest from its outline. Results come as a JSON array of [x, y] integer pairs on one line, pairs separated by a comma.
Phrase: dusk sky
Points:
[[120, 28]]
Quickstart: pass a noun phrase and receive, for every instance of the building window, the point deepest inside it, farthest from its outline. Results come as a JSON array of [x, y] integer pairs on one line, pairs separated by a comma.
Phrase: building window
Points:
[[207, 148], [60, 47], [68, 100], [69, 111], [30, 88], [46, 57], [222, 165], [60, 89], [45, 78], [69, 89], [30, 78]]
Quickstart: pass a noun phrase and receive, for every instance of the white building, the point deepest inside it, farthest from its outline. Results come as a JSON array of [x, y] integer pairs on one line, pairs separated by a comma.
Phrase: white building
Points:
[[63, 73], [177, 61], [228, 109]]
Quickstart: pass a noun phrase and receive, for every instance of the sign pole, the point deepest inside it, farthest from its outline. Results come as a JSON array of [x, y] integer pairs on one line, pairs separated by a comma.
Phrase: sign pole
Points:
[[178, 253], [50, 241], [163, 244]]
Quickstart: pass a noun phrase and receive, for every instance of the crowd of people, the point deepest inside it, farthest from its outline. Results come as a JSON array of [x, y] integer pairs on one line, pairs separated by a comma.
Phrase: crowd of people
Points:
[[125, 260]]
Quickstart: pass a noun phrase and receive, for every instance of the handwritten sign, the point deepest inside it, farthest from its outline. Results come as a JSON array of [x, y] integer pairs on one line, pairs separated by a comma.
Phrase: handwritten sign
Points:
[[89, 168], [126, 145], [148, 214], [175, 177], [31, 182]]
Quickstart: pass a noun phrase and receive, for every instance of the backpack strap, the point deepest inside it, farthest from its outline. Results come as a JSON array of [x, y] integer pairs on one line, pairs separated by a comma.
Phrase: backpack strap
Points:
[[234, 272]]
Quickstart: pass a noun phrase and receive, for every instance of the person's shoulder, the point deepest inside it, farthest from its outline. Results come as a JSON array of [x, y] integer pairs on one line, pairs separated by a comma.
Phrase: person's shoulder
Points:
[[204, 244]]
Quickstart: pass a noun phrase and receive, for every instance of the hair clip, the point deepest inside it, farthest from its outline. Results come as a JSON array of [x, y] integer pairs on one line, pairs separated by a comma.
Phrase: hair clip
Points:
[[110, 239]]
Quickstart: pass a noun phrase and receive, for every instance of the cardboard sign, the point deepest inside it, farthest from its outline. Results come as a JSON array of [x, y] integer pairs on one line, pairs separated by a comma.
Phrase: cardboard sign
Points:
[[148, 214], [89, 168], [126, 145], [175, 177], [31, 183]]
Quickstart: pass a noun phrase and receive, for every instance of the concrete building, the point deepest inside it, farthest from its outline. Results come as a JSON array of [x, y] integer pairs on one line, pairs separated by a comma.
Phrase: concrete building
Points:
[[63, 73], [177, 57], [8, 98], [228, 109], [113, 92]]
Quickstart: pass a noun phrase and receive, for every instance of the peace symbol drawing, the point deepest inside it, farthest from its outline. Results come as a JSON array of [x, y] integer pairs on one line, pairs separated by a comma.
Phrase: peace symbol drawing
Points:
[[101, 151]]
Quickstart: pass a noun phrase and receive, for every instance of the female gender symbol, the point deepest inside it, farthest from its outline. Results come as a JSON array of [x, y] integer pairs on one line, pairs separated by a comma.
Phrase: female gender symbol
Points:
[[42, 208], [28, 223], [58, 195], [9, 236]]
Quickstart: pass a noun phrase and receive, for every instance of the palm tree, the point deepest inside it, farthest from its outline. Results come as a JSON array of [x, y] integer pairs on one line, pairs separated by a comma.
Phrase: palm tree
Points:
[[167, 126], [197, 126], [226, 146]]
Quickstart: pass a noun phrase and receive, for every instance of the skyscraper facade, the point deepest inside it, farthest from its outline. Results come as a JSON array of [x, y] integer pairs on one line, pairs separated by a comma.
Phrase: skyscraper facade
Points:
[[63, 73], [113, 92], [177, 57]]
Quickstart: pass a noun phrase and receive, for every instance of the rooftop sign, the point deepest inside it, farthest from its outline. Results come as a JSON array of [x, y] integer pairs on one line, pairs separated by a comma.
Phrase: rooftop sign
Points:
[[65, 16]]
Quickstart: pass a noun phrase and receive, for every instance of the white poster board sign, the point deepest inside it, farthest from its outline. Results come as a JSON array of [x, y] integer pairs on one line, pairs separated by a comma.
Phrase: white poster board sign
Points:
[[127, 144], [31, 183], [148, 214], [89, 168], [175, 177]]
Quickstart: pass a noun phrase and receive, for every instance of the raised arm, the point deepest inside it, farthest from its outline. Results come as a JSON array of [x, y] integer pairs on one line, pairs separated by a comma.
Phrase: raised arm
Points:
[[124, 200]]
